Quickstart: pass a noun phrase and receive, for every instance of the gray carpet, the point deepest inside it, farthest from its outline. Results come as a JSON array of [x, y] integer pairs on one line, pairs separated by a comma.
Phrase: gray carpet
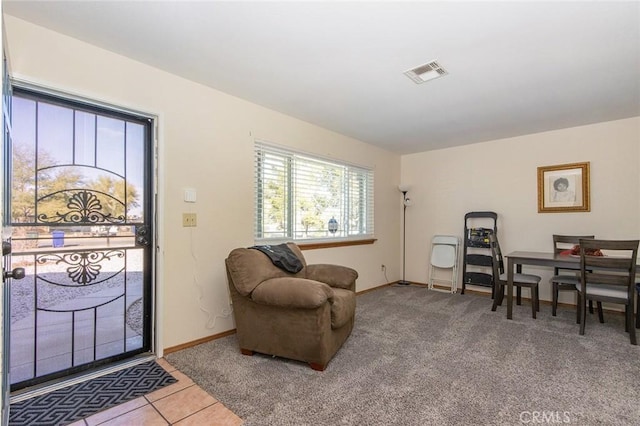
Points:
[[420, 357]]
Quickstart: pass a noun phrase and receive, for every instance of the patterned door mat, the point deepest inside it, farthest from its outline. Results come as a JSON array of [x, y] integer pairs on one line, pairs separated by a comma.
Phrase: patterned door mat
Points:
[[64, 406]]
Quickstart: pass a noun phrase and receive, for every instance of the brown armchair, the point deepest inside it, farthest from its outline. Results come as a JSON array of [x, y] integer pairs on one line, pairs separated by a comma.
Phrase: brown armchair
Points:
[[305, 316]]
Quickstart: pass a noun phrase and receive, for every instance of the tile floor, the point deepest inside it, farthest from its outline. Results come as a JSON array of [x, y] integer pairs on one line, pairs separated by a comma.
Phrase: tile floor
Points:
[[183, 403]]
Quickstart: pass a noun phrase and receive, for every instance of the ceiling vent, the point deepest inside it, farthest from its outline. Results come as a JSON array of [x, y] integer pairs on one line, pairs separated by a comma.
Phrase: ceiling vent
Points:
[[426, 72]]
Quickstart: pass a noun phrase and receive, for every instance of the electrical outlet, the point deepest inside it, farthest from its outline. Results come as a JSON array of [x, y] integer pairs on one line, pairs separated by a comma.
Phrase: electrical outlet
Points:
[[189, 220]]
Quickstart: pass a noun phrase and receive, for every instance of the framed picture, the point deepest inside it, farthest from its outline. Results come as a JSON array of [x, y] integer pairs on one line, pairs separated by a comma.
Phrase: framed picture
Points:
[[564, 188]]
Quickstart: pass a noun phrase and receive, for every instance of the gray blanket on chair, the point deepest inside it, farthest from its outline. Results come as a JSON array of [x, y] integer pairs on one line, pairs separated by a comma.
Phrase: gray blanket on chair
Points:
[[281, 256]]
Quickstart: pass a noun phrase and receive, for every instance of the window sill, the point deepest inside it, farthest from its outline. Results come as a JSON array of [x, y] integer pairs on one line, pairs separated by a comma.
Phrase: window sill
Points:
[[331, 244]]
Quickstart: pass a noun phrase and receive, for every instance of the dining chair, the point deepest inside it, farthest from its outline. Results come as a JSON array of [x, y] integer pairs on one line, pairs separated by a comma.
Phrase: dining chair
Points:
[[609, 278], [566, 279], [519, 280], [638, 305]]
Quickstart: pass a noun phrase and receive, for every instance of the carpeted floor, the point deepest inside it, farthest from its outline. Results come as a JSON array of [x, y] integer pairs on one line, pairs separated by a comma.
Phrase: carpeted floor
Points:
[[420, 357], [76, 402]]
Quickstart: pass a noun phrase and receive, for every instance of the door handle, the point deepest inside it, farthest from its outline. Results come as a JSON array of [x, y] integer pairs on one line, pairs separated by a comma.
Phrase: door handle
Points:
[[16, 274]]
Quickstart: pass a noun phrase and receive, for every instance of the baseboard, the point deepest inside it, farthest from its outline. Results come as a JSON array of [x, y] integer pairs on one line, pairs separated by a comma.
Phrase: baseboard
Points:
[[542, 301], [233, 331], [488, 294], [199, 341], [358, 293]]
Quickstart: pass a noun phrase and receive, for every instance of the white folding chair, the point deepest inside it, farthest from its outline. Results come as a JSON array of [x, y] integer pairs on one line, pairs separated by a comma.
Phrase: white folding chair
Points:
[[444, 255]]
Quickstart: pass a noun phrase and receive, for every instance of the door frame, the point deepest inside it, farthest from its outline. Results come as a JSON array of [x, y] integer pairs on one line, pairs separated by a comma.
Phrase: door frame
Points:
[[4, 292], [154, 338]]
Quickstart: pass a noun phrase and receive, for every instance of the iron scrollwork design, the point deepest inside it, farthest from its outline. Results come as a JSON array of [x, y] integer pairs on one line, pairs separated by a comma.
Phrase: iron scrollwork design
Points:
[[84, 207], [84, 265]]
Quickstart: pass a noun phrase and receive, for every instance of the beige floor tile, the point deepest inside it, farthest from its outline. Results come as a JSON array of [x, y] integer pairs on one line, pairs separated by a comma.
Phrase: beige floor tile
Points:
[[183, 382], [146, 415], [165, 364], [116, 411], [179, 405], [214, 415]]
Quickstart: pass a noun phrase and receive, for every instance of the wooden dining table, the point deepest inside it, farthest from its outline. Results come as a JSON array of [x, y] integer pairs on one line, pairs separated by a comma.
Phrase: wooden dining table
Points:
[[516, 259]]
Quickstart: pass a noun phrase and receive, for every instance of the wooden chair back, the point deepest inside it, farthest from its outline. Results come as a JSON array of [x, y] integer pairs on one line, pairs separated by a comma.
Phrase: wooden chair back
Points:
[[616, 268], [496, 256], [566, 242]]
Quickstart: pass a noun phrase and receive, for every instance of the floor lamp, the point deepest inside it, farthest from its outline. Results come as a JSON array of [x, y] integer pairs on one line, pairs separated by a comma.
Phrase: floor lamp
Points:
[[406, 201]]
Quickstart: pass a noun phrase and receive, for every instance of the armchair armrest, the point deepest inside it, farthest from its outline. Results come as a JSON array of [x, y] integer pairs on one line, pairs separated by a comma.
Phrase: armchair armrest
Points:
[[290, 292], [335, 275]]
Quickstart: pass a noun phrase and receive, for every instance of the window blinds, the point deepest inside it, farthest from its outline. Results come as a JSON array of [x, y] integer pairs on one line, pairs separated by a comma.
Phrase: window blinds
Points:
[[298, 195]]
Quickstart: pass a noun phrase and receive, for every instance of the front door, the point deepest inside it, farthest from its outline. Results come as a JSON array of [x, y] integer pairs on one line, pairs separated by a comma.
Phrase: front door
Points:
[[4, 262], [81, 212]]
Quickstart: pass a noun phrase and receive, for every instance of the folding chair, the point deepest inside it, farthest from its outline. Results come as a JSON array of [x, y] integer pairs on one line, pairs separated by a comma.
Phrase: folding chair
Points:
[[444, 255]]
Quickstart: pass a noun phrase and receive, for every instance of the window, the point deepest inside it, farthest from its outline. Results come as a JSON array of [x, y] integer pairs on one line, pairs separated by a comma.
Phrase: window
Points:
[[301, 197]]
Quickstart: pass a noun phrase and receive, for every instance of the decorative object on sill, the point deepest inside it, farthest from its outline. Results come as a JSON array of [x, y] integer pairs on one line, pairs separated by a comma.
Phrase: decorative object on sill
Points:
[[333, 225], [406, 202]]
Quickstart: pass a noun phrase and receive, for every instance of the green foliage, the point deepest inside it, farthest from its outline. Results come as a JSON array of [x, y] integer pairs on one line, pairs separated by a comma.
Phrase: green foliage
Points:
[[114, 204], [23, 185], [23, 196], [52, 185], [276, 198], [311, 210], [56, 185]]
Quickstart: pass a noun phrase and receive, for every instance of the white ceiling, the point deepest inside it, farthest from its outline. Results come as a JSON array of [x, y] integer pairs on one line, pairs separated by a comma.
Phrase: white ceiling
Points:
[[514, 68]]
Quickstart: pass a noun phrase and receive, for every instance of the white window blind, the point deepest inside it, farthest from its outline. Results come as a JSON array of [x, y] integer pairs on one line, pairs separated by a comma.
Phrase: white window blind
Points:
[[302, 197]]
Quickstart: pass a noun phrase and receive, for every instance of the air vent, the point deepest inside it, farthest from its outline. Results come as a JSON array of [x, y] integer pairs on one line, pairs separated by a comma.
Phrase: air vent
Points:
[[426, 72]]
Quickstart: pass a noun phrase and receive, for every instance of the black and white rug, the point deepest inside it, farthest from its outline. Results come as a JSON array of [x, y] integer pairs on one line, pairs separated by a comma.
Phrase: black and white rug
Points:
[[76, 402]]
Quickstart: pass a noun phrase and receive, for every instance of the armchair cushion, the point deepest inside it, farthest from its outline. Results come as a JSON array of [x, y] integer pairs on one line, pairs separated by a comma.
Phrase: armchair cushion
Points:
[[342, 308], [288, 292], [335, 275], [250, 267]]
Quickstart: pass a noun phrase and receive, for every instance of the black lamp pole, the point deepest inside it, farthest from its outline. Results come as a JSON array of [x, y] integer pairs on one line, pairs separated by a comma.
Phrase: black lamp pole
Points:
[[405, 201]]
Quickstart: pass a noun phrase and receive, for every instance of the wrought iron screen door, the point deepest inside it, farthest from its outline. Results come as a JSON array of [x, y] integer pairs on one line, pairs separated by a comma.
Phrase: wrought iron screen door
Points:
[[81, 218]]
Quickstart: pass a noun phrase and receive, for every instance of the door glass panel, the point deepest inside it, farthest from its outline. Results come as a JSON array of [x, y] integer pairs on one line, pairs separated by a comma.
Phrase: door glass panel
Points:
[[81, 187], [85, 132], [110, 145]]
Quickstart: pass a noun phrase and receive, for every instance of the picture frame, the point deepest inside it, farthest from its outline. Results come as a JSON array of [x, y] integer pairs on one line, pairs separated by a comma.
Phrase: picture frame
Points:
[[564, 188]]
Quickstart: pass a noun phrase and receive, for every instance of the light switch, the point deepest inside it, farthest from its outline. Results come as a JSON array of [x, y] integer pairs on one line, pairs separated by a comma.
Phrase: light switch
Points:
[[190, 195]]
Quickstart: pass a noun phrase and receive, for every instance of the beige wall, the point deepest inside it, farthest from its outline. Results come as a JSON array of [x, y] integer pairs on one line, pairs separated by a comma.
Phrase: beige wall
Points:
[[205, 142], [501, 176]]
